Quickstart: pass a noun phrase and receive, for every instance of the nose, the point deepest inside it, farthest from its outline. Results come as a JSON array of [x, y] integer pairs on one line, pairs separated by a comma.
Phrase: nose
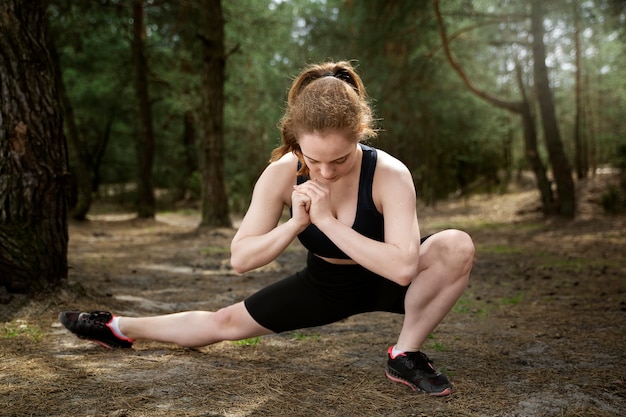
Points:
[[327, 171]]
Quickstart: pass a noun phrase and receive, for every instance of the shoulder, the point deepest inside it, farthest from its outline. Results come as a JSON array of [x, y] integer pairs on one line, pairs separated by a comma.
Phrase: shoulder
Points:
[[279, 176], [393, 180], [389, 164], [283, 168]]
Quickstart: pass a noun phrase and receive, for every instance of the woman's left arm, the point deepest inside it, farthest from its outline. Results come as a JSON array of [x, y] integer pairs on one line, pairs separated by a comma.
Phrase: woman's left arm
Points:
[[397, 257]]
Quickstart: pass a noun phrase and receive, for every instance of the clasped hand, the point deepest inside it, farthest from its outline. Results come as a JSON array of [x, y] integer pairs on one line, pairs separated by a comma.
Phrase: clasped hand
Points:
[[310, 202]]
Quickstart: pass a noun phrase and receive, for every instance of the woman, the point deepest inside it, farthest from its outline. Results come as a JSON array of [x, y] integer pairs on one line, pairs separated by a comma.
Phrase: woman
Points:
[[354, 208]]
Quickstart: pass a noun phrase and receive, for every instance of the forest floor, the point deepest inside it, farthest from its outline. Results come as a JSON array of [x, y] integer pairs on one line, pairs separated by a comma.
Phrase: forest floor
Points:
[[540, 330]]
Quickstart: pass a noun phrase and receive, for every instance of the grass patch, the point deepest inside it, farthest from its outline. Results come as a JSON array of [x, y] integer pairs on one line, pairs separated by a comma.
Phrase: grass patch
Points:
[[253, 341], [470, 305], [500, 249], [435, 345], [181, 212], [512, 301], [20, 328], [215, 250], [547, 261], [299, 335], [438, 347]]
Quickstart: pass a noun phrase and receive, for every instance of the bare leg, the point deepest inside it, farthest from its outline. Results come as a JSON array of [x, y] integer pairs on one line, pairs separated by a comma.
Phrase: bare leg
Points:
[[445, 263], [195, 328]]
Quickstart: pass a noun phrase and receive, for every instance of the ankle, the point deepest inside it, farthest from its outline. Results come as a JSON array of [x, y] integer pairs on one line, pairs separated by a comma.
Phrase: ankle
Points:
[[114, 325]]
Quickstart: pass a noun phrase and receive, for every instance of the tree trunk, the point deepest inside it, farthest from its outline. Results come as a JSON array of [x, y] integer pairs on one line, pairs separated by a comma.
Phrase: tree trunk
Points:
[[582, 160], [145, 139], [591, 128], [190, 159], [537, 166], [33, 154], [82, 176], [552, 136], [214, 201], [530, 148]]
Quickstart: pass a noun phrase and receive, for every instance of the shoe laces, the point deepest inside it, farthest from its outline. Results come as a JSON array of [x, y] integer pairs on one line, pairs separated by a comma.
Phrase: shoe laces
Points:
[[420, 361], [97, 317]]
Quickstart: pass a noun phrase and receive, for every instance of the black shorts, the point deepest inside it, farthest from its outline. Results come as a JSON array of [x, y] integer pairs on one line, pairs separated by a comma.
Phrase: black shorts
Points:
[[323, 293]]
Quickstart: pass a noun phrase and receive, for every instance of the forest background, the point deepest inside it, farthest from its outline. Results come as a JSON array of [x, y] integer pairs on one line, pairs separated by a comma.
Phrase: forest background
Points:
[[170, 103], [453, 141]]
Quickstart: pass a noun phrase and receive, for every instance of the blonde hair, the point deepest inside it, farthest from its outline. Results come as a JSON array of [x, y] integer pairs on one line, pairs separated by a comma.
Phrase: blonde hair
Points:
[[327, 96]]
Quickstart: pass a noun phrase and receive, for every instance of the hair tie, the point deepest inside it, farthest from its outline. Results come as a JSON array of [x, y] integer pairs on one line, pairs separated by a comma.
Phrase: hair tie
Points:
[[344, 76]]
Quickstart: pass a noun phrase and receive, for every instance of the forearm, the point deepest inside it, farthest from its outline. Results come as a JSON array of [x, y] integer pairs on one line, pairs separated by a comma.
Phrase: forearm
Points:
[[394, 262], [250, 252]]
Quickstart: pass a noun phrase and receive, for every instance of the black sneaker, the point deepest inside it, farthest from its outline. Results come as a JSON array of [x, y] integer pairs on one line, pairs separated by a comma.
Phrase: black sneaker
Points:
[[94, 327], [415, 370]]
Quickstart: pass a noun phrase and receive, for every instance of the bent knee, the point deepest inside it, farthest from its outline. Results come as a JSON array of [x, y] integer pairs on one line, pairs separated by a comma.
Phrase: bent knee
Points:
[[463, 244], [455, 247]]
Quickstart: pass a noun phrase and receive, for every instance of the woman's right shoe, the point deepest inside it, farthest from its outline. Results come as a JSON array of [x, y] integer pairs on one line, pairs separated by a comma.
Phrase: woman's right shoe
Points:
[[94, 327]]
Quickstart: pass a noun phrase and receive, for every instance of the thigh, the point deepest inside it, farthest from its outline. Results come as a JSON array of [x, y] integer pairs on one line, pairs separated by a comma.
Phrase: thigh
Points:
[[293, 303], [389, 296]]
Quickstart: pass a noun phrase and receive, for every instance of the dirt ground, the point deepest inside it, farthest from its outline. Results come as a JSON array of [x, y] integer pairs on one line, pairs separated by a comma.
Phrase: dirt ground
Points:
[[539, 331]]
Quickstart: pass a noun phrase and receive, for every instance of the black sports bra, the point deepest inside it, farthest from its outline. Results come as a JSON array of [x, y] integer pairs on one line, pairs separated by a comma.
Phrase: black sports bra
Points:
[[368, 221]]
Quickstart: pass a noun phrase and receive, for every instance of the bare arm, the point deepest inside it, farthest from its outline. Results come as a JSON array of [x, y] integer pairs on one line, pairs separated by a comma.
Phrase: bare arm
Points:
[[397, 257], [260, 239]]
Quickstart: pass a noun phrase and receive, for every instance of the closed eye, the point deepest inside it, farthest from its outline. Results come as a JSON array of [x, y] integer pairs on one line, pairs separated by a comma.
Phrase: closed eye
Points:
[[337, 161]]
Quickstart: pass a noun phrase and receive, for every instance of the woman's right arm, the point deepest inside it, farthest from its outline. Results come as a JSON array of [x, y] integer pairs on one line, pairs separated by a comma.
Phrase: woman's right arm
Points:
[[260, 239]]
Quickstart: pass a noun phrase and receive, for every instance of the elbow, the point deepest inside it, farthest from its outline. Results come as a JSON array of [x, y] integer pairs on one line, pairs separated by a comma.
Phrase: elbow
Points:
[[238, 262], [239, 265], [405, 275]]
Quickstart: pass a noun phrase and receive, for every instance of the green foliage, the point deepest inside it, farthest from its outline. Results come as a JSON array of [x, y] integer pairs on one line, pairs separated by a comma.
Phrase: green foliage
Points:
[[453, 142], [613, 200]]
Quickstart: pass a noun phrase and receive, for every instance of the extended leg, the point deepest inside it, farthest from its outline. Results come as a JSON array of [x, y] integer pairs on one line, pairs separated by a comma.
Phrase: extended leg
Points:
[[190, 328], [195, 328]]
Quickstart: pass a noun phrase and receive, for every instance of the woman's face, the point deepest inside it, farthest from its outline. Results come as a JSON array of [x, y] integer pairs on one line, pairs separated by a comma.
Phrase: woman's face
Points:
[[328, 155]]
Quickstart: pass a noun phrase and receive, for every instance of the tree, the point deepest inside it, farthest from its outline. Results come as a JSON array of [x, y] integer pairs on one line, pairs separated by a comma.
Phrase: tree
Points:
[[33, 154], [214, 201], [561, 169], [580, 139], [522, 107], [145, 138], [558, 160], [255, 88], [446, 137], [94, 80]]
